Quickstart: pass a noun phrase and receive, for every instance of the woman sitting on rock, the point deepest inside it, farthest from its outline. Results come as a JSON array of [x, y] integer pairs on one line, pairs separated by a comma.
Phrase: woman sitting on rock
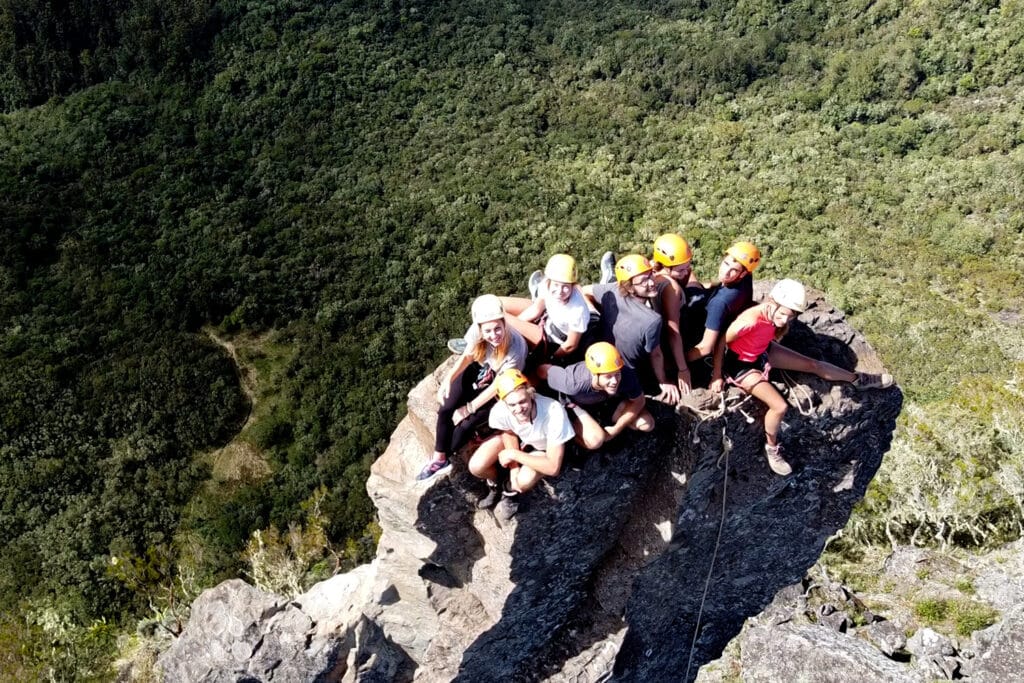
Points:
[[468, 389], [530, 445], [752, 350], [556, 316]]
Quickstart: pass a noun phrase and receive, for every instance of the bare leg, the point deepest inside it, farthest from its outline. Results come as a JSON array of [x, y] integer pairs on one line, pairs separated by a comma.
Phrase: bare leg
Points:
[[644, 422], [787, 359], [530, 331], [589, 434], [483, 463], [514, 305], [755, 384], [523, 478]]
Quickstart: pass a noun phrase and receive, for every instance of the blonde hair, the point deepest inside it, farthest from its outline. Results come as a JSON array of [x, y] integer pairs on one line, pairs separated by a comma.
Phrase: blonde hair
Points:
[[480, 350]]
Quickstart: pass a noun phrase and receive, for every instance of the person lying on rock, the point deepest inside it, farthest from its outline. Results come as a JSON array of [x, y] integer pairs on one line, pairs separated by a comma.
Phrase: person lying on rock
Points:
[[530, 444], [751, 350], [710, 309], [602, 395], [556, 316], [468, 389], [630, 323]]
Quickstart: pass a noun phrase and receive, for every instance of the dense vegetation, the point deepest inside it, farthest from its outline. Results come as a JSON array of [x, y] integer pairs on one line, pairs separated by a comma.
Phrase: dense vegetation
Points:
[[340, 180]]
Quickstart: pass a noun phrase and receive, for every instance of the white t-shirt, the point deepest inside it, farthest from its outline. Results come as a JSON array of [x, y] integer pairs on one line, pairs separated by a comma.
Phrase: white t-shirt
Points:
[[563, 318], [515, 357], [550, 427]]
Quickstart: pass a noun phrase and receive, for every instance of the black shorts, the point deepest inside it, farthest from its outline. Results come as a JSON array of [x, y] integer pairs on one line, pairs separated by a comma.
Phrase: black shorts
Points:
[[737, 369]]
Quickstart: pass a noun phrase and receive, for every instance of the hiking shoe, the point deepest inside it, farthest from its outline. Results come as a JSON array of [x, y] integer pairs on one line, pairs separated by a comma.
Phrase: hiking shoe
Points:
[[457, 346], [608, 267], [491, 499], [868, 380], [432, 468], [776, 462], [536, 277], [507, 507]]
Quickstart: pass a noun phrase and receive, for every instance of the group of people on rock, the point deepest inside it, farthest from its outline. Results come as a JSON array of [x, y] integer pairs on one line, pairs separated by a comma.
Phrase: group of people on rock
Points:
[[598, 350]]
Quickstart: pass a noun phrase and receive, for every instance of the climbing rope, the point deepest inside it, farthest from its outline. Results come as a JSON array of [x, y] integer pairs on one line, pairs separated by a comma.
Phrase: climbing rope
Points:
[[726, 447]]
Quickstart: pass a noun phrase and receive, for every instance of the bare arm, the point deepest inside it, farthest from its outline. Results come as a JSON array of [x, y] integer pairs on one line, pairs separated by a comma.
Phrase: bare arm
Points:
[[549, 464], [669, 391], [446, 384], [705, 347], [571, 343]]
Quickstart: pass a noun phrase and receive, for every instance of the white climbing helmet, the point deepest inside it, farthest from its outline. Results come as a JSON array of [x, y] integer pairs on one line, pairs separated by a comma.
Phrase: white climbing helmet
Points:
[[791, 294]]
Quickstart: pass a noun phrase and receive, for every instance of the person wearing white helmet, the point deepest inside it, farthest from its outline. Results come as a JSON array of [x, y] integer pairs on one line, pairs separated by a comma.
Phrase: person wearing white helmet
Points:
[[468, 389], [556, 317], [751, 349]]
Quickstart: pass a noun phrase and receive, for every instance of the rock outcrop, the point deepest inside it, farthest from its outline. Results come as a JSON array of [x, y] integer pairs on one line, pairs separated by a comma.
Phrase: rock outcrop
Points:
[[639, 562]]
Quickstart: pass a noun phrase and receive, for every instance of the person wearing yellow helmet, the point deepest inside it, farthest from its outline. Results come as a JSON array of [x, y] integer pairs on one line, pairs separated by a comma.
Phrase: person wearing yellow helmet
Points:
[[630, 323], [556, 316], [751, 349], [467, 389], [603, 395], [532, 432], [673, 271], [709, 311]]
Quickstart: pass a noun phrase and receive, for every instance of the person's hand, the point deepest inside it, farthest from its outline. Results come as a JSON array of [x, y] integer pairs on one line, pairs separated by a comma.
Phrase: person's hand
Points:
[[443, 390], [717, 386], [506, 457], [669, 393], [684, 382], [460, 414]]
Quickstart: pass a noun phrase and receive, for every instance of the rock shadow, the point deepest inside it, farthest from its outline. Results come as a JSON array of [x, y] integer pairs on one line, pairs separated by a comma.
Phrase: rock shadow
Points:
[[773, 529]]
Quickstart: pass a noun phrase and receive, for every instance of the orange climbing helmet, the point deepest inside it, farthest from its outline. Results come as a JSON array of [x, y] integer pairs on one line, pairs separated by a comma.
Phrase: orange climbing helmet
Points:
[[630, 266], [672, 250], [508, 381], [746, 254], [603, 358]]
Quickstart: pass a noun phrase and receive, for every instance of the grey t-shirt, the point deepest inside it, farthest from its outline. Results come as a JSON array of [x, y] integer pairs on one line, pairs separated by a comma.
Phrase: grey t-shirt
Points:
[[633, 327], [576, 382], [515, 357]]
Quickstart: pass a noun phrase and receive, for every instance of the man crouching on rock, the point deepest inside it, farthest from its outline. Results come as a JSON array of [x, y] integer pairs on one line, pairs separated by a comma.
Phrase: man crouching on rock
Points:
[[531, 443], [603, 394]]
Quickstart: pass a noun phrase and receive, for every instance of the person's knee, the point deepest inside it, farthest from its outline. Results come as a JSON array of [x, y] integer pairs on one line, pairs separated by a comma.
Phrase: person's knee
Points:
[[523, 479], [644, 422], [593, 439]]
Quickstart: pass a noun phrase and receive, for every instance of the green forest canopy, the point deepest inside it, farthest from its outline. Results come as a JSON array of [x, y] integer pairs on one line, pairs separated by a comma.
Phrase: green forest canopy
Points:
[[351, 176]]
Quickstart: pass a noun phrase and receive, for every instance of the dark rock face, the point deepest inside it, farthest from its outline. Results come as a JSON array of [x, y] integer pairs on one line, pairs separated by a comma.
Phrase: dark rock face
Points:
[[772, 529]]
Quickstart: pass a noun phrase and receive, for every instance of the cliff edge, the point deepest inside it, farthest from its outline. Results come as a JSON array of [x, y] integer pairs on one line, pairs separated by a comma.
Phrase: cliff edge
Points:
[[639, 562]]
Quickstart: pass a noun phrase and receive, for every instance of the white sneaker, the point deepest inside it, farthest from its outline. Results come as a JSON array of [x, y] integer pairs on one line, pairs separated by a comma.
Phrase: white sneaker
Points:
[[457, 346], [608, 267], [536, 277], [776, 462]]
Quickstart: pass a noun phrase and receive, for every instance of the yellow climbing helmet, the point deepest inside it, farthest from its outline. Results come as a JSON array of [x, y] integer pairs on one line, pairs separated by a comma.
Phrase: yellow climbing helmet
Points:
[[746, 254], [561, 268], [630, 266], [603, 358], [508, 381], [672, 250]]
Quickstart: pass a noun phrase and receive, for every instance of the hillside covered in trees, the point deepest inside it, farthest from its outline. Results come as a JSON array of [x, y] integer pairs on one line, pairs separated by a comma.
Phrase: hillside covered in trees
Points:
[[330, 184]]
